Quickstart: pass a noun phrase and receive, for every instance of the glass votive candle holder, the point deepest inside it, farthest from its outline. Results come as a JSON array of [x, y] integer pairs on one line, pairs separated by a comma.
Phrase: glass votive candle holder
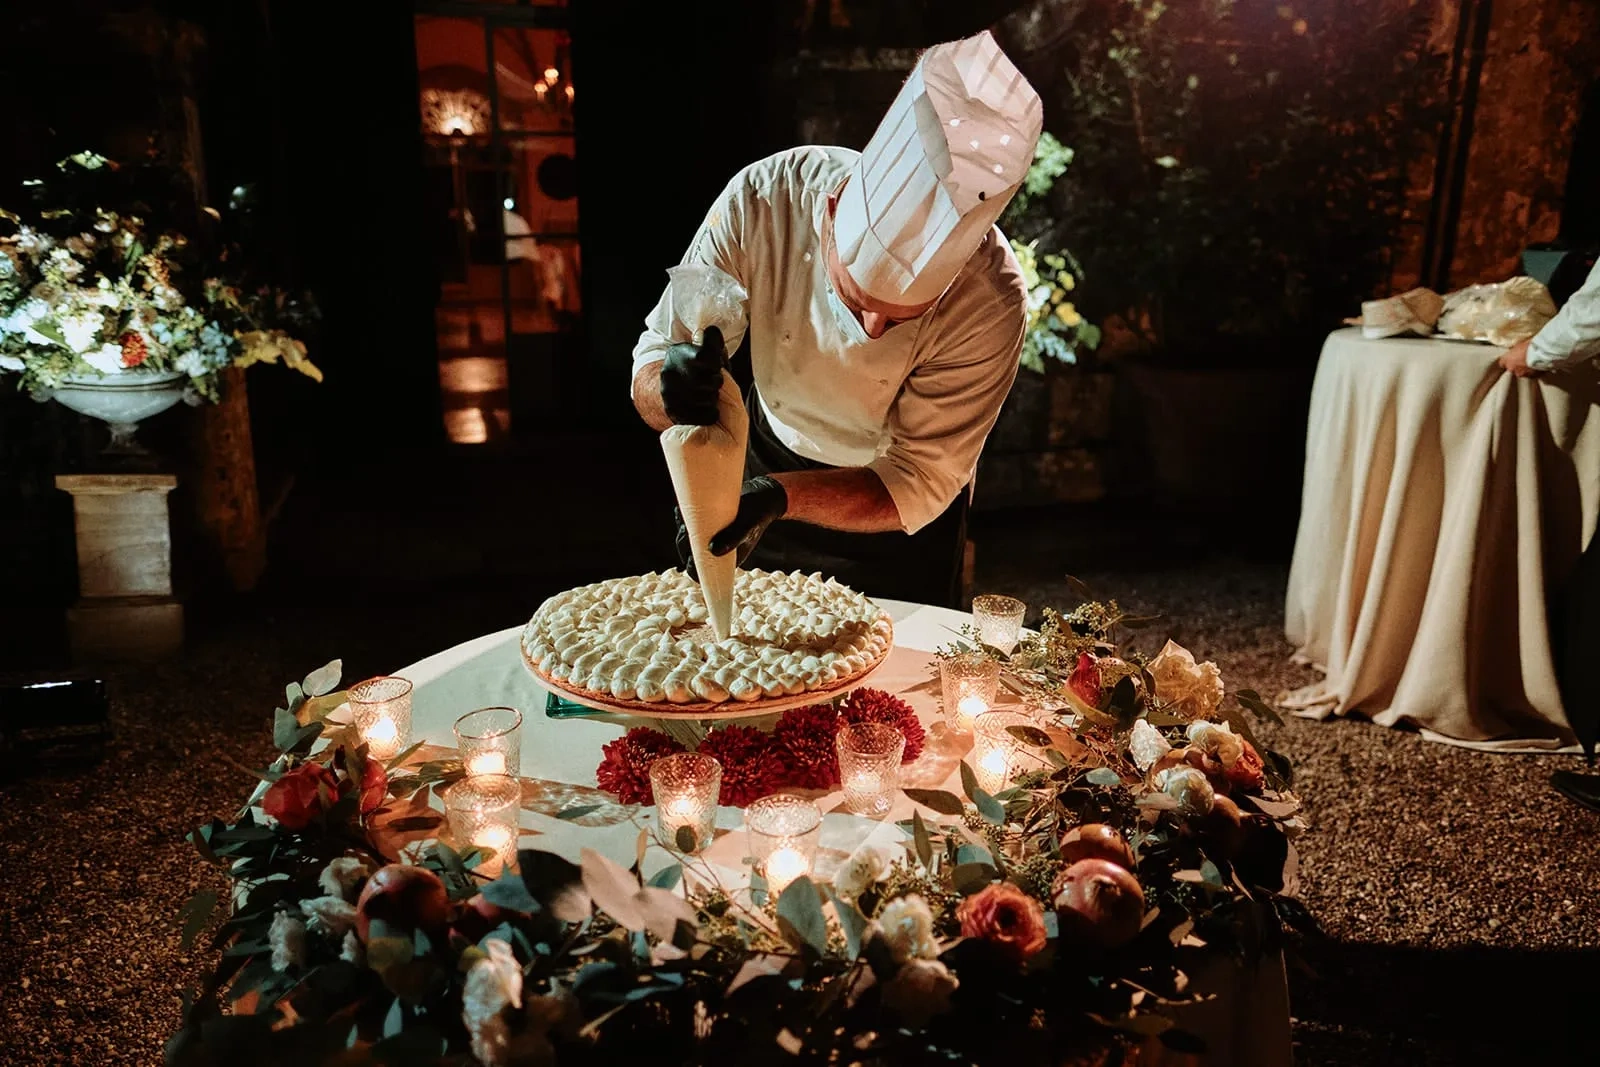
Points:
[[969, 682], [869, 765], [997, 755], [998, 620], [483, 813], [490, 741], [381, 710], [684, 788], [784, 830]]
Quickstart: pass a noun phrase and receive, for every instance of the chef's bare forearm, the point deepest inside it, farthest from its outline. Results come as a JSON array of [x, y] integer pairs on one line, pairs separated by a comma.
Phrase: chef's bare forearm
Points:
[[852, 499], [647, 396]]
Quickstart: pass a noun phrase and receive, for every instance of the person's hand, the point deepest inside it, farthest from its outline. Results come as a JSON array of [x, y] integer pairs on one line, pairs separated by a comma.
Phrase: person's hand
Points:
[[1515, 360], [762, 501], [691, 377]]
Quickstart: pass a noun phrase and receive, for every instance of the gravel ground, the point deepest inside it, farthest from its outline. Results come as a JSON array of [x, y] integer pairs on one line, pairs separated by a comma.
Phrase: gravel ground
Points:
[[1460, 896]]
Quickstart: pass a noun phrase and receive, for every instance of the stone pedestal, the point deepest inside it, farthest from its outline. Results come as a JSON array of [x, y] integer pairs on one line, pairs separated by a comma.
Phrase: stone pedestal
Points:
[[124, 536]]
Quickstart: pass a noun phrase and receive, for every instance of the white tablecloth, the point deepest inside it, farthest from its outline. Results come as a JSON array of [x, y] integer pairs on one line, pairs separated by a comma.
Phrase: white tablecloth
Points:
[[1246, 1025], [1445, 501]]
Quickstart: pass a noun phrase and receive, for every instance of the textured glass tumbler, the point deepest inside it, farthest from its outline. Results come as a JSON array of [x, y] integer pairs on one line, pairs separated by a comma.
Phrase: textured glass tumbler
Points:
[[784, 830], [869, 765], [969, 683], [381, 710], [490, 741], [684, 788], [998, 620], [482, 811], [997, 755]]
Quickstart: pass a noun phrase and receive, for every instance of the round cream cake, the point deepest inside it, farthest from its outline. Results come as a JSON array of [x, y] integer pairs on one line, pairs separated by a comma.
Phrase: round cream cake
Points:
[[645, 640]]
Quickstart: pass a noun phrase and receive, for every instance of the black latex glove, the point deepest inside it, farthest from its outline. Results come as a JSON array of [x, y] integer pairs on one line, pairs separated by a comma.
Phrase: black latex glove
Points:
[[691, 377], [761, 502]]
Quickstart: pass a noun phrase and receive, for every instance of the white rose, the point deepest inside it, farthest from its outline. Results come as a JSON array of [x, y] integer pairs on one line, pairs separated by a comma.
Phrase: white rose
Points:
[[287, 939], [1189, 787], [107, 359], [341, 875], [493, 985], [331, 916], [865, 866], [1217, 739], [1193, 690], [907, 925], [82, 332], [1146, 745], [920, 990]]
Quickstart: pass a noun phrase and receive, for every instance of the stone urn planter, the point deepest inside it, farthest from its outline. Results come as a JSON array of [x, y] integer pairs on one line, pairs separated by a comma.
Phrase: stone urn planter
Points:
[[122, 401]]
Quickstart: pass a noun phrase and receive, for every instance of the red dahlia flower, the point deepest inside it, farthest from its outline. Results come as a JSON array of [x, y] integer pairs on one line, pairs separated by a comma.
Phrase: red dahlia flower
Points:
[[625, 770], [751, 765], [874, 705], [804, 740]]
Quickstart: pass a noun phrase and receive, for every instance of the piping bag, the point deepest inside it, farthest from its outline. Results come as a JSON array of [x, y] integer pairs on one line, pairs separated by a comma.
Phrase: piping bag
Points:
[[707, 462]]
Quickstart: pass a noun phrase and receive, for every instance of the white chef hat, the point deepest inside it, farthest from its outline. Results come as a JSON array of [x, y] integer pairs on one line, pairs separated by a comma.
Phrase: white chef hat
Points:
[[938, 172]]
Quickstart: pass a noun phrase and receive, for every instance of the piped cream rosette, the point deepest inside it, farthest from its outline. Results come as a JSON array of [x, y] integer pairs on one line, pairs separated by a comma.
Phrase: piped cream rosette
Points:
[[635, 640]]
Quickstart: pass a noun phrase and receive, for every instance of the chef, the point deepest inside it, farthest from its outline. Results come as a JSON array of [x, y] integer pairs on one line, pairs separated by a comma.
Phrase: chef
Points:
[[885, 316], [1571, 337]]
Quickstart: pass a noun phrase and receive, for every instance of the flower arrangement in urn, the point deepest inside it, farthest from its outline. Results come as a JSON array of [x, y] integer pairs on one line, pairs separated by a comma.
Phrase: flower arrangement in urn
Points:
[[110, 310], [1055, 920]]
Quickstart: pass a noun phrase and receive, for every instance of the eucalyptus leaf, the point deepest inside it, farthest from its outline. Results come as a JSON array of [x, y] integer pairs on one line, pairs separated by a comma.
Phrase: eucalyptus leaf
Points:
[[285, 730], [613, 889], [400, 760], [968, 878], [938, 799], [667, 877], [686, 839], [800, 916], [395, 1021], [578, 811], [1103, 776], [1056, 758], [509, 891], [990, 808], [197, 912], [919, 835], [1081, 589], [1252, 700], [1030, 735], [555, 882], [852, 923], [324, 679], [295, 696]]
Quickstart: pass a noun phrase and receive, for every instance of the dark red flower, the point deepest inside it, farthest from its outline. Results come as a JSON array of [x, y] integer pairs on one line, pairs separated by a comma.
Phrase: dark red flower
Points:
[[1085, 680], [374, 786], [804, 739], [751, 765], [874, 705], [296, 798], [1006, 916], [625, 770]]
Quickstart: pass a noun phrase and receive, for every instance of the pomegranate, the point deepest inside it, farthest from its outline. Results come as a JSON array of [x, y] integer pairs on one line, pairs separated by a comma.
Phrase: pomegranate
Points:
[[478, 917], [405, 897], [1096, 840], [1098, 903]]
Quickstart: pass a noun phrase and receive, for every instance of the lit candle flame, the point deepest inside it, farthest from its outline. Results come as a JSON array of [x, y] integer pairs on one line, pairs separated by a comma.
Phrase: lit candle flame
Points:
[[487, 763], [784, 866], [382, 737], [969, 709], [496, 838]]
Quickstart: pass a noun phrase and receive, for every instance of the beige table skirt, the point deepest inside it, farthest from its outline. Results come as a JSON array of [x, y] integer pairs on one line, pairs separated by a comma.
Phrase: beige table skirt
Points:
[[1445, 503]]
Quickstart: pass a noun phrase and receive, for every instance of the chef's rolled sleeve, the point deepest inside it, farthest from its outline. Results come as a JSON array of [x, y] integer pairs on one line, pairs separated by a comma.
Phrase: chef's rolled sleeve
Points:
[[947, 407], [718, 243], [1574, 333]]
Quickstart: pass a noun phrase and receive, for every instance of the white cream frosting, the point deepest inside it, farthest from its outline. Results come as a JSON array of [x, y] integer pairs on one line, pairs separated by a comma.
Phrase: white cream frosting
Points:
[[792, 633]]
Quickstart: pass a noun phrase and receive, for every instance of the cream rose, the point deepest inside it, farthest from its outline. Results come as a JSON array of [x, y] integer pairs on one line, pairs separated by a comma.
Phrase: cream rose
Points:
[[908, 928], [864, 867], [1217, 739], [1193, 690], [1146, 745]]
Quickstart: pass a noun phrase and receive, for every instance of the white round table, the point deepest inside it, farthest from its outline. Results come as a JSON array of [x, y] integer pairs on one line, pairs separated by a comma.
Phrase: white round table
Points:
[[1246, 1024]]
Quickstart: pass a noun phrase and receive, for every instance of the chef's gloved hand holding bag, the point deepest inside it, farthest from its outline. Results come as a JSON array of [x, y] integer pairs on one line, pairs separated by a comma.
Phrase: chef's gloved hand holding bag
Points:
[[707, 462]]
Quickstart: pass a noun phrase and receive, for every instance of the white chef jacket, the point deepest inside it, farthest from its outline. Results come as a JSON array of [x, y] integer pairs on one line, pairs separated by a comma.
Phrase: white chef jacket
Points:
[[914, 405], [1574, 333]]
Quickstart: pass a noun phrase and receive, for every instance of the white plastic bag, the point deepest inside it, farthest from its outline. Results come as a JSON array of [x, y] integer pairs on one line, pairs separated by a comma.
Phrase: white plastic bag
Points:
[[1504, 313], [707, 462]]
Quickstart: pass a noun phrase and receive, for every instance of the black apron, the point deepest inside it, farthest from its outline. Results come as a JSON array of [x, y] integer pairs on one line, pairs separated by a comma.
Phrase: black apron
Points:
[[924, 567]]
